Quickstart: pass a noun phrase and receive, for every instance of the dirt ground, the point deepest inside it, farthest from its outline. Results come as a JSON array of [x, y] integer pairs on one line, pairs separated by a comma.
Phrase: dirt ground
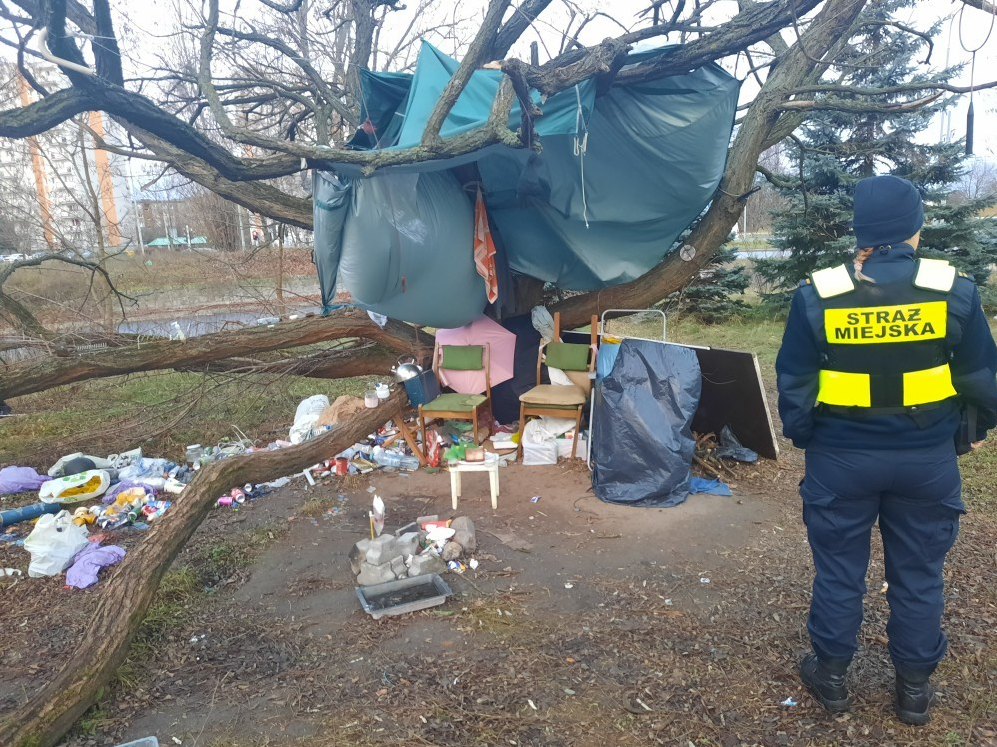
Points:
[[585, 624]]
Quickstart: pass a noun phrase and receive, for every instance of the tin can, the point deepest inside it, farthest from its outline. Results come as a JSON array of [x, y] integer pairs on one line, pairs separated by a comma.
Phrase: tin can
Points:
[[342, 466], [238, 495], [225, 500]]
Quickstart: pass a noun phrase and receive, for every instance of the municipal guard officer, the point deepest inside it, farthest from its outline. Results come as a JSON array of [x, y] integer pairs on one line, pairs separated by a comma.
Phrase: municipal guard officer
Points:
[[878, 360]]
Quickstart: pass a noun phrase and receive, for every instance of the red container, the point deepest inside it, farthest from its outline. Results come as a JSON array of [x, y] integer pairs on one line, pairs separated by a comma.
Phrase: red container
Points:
[[342, 466]]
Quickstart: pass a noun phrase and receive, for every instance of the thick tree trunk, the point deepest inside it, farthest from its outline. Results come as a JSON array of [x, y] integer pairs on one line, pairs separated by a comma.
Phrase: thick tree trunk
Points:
[[35, 375], [129, 588], [365, 359]]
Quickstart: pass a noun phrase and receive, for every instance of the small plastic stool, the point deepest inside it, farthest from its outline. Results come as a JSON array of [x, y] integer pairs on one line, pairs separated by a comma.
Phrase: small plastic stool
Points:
[[490, 465]]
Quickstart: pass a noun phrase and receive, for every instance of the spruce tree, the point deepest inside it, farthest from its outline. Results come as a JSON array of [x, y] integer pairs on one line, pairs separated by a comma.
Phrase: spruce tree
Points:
[[835, 149]]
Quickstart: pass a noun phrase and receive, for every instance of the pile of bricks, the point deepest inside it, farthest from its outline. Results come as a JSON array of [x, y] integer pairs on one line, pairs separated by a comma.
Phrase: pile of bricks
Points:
[[390, 556]]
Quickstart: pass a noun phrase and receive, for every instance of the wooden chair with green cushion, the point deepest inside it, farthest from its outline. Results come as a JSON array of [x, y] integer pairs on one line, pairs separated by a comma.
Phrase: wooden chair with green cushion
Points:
[[453, 405], [561, 400]]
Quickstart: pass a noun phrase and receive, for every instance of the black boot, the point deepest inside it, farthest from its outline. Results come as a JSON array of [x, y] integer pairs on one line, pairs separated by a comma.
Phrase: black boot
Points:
[[826, 682], [914, 696]]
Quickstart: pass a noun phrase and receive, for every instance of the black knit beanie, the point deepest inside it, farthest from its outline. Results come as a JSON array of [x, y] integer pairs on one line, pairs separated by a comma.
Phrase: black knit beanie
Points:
[[888, 210]]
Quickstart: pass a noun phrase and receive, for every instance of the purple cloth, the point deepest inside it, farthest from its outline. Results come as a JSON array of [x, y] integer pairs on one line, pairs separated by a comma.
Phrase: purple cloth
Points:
[[88, 561], [19, 479], [112, 492]]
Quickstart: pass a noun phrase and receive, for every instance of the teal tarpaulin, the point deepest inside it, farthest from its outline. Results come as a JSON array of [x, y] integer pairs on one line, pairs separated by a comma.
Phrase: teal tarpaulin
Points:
[[619, 177]]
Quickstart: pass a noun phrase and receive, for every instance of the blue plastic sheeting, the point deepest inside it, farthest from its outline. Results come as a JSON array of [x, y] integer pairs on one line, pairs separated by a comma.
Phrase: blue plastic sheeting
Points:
[[642, 443], [390, 227], [620, 176], [713, 487]]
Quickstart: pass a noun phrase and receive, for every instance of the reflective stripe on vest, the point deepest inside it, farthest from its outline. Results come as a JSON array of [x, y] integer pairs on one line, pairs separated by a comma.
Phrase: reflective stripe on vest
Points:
[[834, 281], [934, 274], [855, 389]]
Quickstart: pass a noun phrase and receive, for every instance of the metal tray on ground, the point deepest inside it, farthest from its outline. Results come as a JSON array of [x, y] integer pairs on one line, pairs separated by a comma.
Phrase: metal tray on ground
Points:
[[404, 595]]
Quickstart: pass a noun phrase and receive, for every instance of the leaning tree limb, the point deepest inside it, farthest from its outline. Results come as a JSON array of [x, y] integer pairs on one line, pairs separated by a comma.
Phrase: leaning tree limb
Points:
[[129, 588], [36, 375], [362, 359], [679, 267]]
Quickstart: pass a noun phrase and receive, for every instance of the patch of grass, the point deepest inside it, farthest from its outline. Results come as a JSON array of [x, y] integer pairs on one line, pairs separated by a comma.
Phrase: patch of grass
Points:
[[220, 560], [179, 587], [979, 475], [162, 412], [499, 615], [315, 507]]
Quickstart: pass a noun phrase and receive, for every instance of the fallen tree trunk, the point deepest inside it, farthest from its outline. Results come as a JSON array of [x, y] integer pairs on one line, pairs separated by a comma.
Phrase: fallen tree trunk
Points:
[[365, 359], [128, 590], [39, 374]]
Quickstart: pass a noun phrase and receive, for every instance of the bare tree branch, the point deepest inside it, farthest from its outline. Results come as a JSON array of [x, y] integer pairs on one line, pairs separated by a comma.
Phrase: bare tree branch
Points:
[[473, 59], [518, 22], [982, 5]]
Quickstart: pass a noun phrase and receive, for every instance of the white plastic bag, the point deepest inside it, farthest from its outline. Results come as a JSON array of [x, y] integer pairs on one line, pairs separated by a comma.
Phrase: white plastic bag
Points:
[[98, 462], [53, 543], [306, 416], [543, 429], [82, 487]]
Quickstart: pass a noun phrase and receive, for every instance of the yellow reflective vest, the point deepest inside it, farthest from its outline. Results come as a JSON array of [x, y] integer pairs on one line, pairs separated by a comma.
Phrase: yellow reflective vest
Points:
[[884, 343]]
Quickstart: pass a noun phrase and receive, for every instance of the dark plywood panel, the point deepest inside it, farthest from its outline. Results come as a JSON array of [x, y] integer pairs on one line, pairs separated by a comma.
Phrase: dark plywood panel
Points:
[[733, 395]]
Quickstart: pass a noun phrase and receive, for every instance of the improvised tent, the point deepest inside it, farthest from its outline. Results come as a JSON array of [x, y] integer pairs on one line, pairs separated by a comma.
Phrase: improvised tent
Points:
[[620, 176]]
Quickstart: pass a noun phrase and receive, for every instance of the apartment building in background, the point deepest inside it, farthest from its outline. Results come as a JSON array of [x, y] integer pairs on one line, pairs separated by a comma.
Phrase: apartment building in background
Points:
[[54, 184]]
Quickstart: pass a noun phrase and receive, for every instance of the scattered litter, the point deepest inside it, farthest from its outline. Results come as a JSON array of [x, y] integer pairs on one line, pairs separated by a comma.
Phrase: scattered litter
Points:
[[731, 448], [377, 517], [532, 704], [712, 487], [10, 572], [568, 691], [19, 479], [704, 580], [473, 564], [513, 541], [569, 585], [89, 561], [886, 586], [788, 702], [535, 499]]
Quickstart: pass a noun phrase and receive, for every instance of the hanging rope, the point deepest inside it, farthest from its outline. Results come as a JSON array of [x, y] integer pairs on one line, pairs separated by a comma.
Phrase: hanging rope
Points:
[[972, 72], [581, 146]]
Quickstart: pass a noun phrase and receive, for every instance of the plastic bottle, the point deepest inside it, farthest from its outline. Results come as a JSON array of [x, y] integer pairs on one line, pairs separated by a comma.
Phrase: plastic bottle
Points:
[[394, 459]]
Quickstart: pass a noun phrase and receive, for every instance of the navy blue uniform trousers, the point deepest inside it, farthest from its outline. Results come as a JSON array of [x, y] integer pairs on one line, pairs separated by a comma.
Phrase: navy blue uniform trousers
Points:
[[915, 496]]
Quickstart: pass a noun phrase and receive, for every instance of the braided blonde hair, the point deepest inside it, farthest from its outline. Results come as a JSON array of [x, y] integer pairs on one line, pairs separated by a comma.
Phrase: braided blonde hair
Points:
[[860, 257]]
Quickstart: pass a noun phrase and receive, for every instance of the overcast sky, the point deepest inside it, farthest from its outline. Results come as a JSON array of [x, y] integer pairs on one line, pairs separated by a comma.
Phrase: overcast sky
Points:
[[158, 16]]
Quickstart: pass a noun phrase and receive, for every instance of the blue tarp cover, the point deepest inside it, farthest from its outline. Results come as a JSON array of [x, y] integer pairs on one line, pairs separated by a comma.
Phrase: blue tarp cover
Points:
[[619, 177]]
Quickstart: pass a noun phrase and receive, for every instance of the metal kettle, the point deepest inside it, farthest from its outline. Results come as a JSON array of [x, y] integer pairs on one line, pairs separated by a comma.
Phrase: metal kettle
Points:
[[406, 369]]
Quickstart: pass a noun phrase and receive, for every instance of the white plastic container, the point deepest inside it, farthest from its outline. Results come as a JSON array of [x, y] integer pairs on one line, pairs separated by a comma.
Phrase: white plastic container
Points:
[[537, 454], [370, 399], [564, 448]]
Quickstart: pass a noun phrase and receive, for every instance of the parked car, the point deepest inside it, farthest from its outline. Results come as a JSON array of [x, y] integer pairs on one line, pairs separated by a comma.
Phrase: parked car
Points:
[[13, 257]]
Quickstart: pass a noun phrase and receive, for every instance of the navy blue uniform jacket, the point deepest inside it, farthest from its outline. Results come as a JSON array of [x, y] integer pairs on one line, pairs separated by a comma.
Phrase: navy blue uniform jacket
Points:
[[973, 364]]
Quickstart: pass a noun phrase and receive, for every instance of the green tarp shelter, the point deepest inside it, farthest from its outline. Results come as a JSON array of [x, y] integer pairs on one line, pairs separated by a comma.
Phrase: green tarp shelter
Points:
[[619, 177]]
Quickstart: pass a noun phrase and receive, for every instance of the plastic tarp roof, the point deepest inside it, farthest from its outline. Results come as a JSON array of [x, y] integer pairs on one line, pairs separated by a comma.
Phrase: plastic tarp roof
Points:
[[620, 176]]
